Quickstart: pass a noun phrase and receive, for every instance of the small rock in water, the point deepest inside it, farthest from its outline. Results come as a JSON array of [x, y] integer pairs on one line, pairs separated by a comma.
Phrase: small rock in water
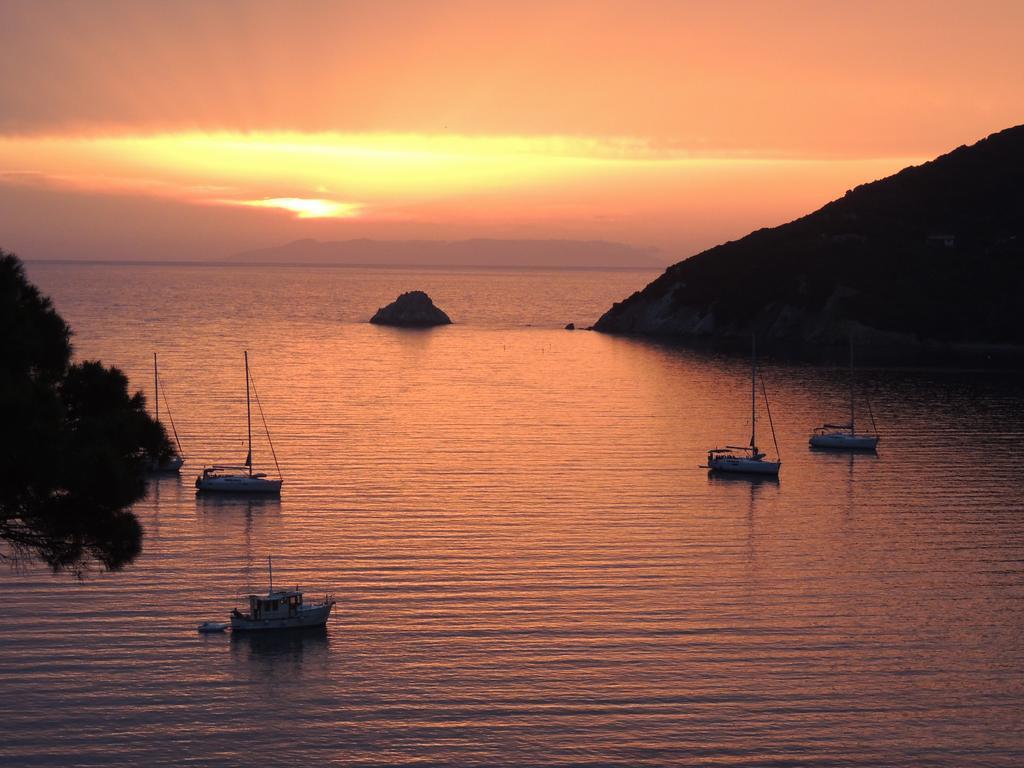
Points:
[[571, 327], [411, 310]]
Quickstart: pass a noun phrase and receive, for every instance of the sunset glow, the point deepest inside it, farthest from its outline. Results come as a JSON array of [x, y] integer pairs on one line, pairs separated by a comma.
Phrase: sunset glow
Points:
[[365, 165], [394, 178], [673, 125], [304, 208]]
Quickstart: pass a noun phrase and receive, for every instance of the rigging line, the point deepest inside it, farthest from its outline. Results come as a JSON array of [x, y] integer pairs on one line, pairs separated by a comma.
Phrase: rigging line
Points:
[[768, 408], [174, 431], [867, 399], [265, 427]]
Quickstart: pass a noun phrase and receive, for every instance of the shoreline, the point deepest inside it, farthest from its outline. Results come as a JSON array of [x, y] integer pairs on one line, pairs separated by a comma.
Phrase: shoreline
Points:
[[911, 355]]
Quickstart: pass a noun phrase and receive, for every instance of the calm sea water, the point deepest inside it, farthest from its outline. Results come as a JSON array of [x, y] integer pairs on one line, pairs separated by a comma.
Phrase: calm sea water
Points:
[[531, 568]]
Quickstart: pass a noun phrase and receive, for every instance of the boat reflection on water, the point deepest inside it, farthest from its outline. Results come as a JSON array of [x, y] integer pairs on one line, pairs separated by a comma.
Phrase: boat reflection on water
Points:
[[234, 525], [165, 488], [853, 450], [237, 502], [163, 491], [228, 512], [298, 645], [741, 478]]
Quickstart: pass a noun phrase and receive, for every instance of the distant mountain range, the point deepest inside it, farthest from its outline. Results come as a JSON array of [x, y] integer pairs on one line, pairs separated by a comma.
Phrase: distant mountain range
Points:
[[459, 253], [933, 255]]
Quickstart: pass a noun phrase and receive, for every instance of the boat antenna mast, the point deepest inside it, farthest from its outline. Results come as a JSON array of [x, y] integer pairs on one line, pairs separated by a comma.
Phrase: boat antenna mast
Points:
[[170, 417], [248, 414], [871, 413], [266, 429], [174, 430], [853, 428], [771, 423], [156, 388], [753, 393]]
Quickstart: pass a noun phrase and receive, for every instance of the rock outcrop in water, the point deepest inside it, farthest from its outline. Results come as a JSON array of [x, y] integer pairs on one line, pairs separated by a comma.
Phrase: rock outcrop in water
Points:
[[414, 309], [930, 257]]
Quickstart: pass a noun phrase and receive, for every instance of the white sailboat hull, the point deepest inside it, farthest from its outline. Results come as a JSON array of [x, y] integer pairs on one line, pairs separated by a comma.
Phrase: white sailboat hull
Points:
[[744, 466], [238, 484], [315, 616], [845, 441]]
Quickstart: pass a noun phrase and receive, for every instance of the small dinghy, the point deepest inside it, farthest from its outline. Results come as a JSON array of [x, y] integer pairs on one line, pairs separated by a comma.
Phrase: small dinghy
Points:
[[208, 627]]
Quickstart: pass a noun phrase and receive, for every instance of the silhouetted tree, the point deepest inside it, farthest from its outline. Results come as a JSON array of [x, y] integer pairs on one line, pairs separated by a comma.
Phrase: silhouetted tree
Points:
[[75, 443]]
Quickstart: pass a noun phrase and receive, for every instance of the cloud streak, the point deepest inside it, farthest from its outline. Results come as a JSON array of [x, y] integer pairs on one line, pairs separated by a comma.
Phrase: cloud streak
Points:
[[304, 207], [798, 78]]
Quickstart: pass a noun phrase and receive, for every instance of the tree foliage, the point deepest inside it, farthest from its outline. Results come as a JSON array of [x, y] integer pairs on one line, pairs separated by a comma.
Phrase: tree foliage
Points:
[[75, 446]]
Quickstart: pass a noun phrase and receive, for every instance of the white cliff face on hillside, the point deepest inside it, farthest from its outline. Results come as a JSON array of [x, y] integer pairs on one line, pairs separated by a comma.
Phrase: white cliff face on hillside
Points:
[[661, 316]]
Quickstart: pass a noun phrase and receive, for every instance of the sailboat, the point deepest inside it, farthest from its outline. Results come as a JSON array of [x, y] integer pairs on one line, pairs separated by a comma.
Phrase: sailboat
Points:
[[748, 459], [173, 461], [222, 478], [845, 436]]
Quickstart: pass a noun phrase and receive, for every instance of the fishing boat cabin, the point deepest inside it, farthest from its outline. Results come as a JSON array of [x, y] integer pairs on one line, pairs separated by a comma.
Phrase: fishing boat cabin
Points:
[[281, 609], [275, 605]]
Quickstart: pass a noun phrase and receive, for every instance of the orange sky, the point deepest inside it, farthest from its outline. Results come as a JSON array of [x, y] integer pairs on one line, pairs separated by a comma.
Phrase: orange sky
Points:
[[194, 130]]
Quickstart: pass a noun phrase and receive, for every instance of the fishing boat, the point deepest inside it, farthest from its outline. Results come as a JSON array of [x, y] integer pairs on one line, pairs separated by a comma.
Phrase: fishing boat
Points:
[[171, 462], [748, 459], [281, 609], [226, 478], [845, 436]]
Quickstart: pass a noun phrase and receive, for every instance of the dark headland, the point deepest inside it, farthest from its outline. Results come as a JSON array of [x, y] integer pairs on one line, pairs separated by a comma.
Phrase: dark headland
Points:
[[927, 263]]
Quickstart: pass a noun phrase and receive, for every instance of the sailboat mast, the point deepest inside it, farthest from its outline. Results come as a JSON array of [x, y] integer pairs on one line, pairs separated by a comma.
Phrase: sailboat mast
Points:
[[248, 411], [853, 429], [753, 392], [156, 388]]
